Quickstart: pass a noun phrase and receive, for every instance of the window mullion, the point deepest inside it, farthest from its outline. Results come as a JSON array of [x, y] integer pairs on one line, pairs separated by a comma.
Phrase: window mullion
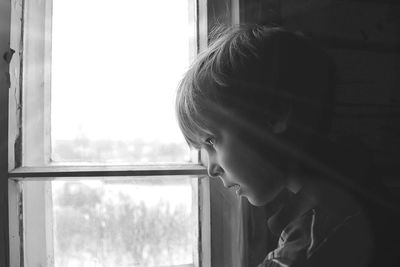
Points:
[[36, 82], [37, 224]]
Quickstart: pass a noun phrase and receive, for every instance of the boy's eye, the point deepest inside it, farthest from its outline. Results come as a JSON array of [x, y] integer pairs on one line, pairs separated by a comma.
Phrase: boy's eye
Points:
[[210, 141]]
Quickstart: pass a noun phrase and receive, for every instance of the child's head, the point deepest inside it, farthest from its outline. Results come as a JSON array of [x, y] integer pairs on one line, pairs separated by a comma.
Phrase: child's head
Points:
[[257, 82], [258, 74]]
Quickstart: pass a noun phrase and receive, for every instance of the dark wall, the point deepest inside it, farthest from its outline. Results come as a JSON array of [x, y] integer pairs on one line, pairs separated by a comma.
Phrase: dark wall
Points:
[[363, 37]]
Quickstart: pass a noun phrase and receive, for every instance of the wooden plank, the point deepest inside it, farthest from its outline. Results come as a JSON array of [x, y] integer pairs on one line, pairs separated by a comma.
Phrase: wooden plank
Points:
[[15, 224], [381, 138], [378, 133], [108, 171], [36, 82], [5, 11], [365, 22], [38, 249], [367, 77], [15, 97], [367, 111]]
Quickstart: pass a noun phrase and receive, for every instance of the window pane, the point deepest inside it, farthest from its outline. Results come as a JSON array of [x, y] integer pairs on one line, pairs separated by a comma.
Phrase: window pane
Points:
[[136, 222], [115, 68]]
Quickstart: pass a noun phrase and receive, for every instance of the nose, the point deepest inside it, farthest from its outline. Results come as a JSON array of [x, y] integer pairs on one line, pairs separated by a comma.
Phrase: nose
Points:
[[213, 168]]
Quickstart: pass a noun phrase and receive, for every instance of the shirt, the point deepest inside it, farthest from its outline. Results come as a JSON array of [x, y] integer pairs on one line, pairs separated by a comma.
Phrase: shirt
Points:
[[319, 233]]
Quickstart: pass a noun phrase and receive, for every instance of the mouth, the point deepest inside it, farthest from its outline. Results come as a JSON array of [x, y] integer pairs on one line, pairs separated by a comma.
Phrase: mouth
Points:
[[236, 188]]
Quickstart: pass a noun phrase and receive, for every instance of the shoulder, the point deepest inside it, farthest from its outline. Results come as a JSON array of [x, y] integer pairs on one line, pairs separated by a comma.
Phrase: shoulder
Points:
[[318, 239], [347, 244]]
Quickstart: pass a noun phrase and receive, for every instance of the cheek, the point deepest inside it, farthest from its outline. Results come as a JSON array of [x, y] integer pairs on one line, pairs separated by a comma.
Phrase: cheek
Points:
[[263, 186], [238, 168], [232, 160]]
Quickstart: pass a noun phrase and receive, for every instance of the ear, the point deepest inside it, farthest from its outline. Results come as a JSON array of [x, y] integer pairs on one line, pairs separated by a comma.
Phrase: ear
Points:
[[281, 124]]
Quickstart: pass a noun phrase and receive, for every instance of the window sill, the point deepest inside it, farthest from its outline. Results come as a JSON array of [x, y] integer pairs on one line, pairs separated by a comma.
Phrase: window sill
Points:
[[107, 170]]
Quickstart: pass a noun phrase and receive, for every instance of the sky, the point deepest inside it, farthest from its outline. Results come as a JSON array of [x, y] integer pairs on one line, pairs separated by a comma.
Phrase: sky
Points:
[[116, 66]]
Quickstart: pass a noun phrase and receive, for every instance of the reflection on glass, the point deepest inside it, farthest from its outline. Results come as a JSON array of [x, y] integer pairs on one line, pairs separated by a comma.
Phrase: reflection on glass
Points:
[[137, 222], [115, 69]]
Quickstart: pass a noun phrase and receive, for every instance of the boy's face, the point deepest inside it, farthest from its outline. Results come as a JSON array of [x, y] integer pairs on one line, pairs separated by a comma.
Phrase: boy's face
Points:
[[242, 169]]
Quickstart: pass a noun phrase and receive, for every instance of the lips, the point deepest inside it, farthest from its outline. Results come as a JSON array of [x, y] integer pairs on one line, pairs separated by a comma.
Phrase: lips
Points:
[[236, 187]]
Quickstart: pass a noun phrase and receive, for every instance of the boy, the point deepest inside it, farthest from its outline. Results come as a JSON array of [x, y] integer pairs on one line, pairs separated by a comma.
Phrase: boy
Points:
[[259, 102]]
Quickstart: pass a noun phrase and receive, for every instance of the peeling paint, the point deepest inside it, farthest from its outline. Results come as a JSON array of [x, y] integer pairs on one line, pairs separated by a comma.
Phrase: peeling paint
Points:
[[7, 56], [18, 150], [15, 59], [16, 4]]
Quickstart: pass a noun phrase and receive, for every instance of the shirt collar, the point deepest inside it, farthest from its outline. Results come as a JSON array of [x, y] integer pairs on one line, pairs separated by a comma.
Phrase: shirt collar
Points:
[[332, 200], [293, 207]]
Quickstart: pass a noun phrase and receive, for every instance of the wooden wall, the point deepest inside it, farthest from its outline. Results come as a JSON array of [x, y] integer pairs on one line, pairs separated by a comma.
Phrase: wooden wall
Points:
[[364, 39]]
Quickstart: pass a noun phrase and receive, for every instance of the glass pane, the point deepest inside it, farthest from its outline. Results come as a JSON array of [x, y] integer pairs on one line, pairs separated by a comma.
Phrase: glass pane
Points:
[[115, 69], [136, 222]]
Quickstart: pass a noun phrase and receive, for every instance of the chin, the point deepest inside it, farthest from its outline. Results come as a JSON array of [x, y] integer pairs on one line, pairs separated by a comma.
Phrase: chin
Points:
[[256, 202], [259, 201]]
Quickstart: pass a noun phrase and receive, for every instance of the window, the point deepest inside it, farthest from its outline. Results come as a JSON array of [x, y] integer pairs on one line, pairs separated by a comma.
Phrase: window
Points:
[[47, 182], [100, 175]]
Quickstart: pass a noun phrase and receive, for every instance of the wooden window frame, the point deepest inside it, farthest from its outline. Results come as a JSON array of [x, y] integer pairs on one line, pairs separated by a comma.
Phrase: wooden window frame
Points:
[[14, 170]]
